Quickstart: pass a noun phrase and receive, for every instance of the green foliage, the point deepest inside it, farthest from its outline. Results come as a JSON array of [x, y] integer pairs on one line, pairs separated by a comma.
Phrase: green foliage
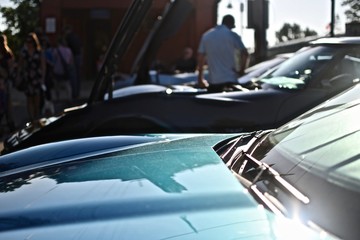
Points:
[[353, 13], [291, 32], [20, 19]]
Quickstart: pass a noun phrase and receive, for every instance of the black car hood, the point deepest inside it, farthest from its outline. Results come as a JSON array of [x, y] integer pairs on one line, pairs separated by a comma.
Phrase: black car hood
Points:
[[167, 24]]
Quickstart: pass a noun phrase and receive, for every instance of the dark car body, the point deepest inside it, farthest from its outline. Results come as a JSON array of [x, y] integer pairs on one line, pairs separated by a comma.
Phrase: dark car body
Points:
[[325, 68], [192, 186], [309, 166]]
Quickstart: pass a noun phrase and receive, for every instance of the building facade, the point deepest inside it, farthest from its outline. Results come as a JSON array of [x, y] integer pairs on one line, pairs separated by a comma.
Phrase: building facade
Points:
[[96, 21]]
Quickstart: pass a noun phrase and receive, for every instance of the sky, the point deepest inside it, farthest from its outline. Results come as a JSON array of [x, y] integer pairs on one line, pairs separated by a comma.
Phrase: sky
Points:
[[3, 3], [312, 14]]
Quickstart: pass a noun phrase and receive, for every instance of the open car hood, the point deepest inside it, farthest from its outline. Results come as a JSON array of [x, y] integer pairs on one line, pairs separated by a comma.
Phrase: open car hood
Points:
[[165, 25]]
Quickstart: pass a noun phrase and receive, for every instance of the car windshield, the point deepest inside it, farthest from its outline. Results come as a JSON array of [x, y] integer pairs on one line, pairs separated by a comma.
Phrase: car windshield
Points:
[[312, 64], [318, 154], [310, 142]]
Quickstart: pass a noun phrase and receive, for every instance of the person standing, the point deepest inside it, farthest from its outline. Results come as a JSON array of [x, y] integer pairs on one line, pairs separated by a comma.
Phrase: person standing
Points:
[[49, 73], [7, 63], [33, 66], [64, 69], [74, 43], [225, 54]]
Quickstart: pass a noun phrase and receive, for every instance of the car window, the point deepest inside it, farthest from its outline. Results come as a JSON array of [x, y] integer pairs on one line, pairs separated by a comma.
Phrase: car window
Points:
[[314, 64], [348, 64]]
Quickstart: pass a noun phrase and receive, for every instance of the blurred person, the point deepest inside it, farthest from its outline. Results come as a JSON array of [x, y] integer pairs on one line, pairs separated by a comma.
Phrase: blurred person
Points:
[[187, 62], [74, 43], [49, 73], [32, 66], [64, 69], [7, 64], [48, 108], [225, 54]]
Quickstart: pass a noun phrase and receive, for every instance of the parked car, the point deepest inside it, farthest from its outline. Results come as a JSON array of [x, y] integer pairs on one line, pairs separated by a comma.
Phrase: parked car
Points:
[[86, 189], [191, 78], [255, 71], [258, 185], [325, 68]]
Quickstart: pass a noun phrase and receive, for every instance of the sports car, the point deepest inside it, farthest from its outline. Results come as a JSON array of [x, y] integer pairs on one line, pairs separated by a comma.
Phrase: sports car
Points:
[[314, 74], [299, 181]]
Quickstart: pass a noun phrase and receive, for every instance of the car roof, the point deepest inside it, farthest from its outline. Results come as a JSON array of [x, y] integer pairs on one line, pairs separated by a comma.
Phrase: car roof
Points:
[[336, 40]]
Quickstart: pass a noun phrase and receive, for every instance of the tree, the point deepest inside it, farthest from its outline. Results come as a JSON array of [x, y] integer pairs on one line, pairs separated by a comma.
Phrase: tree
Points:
[[308, 32], [291, 32], [20, 19], [353, 13]]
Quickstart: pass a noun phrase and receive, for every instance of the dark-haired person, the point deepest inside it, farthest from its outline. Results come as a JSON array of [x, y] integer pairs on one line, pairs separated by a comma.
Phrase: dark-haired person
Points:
[[33, 66], [187, 62], [6, 69], [75, 45], [224, 53]]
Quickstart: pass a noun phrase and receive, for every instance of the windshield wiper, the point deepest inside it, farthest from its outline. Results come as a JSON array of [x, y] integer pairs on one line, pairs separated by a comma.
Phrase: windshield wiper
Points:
[[240, 145], [251, 171]]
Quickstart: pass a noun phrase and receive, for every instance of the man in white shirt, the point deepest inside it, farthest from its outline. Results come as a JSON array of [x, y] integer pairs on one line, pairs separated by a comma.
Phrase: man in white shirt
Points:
[[225, 54]]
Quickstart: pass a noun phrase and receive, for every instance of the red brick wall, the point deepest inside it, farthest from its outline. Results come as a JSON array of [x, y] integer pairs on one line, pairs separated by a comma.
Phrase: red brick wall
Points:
[[95, 32]]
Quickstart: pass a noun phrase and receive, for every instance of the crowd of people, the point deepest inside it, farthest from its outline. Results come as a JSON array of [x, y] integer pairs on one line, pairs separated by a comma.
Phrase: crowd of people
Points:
[[39, 70]]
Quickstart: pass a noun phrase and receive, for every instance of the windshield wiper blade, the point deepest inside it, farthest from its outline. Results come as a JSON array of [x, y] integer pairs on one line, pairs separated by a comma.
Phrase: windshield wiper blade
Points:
[[250, 171], [240, 144], [268, 171]]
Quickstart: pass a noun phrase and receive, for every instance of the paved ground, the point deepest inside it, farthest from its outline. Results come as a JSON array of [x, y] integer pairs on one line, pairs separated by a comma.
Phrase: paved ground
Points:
[[20, 112]]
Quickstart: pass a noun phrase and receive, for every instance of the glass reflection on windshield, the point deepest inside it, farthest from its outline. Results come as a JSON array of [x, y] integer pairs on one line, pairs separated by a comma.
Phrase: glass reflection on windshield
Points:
[[313, 64], [312, 144]]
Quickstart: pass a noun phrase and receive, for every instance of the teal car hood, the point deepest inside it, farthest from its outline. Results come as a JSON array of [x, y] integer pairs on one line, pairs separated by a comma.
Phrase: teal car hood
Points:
[[176, 188]]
